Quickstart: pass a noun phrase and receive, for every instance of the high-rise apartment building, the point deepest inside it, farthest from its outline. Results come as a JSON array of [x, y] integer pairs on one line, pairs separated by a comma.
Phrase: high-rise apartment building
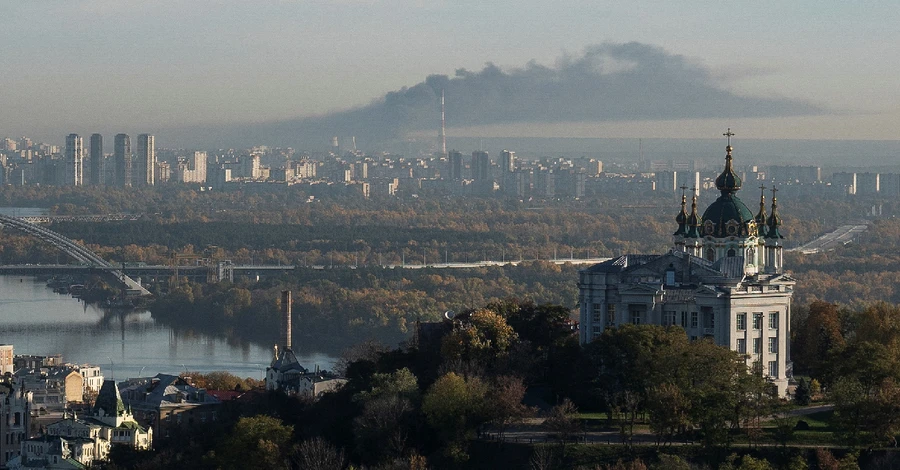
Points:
[[481, 166], [97, 163], [146, 161], [508, 161], [192, 169], [74, 160], [122, 157], [456, 165]]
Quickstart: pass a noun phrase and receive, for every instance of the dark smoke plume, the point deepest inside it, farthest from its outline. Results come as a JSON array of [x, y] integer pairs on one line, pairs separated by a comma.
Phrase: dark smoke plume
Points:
[[609, 82]]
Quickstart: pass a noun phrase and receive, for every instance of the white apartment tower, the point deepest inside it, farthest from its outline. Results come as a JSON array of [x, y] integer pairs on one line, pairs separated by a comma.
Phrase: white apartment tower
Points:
[[74, 160]]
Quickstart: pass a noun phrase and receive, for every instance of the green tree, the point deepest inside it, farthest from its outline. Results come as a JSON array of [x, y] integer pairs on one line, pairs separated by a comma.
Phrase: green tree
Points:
[[455, 406], [261, 439]]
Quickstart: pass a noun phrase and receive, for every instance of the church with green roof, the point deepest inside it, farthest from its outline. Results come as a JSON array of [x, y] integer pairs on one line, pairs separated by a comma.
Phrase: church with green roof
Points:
[[722, 280]]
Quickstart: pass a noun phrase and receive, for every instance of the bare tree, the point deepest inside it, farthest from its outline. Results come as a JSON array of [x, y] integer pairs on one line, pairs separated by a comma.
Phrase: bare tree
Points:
[[317, 454], [543, 457], [562, 422]]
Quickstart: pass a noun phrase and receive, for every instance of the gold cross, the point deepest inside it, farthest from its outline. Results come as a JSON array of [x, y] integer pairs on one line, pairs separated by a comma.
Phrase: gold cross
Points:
[[728, 135]]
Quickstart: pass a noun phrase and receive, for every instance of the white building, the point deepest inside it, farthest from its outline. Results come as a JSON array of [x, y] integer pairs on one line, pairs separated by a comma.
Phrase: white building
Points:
[[192, 169], [74, 171], [93, 378], [722, 280]]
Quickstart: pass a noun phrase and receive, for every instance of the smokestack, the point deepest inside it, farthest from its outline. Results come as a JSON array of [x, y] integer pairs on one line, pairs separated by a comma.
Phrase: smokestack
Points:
[[286, 311], [443, 128]]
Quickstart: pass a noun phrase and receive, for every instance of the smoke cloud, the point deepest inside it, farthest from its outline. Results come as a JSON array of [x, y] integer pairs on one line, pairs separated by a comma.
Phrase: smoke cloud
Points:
[[608, 82]]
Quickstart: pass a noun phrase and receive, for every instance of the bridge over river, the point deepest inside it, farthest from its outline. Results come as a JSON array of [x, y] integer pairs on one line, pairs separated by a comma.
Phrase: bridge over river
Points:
[[88, 258], [91, 262]]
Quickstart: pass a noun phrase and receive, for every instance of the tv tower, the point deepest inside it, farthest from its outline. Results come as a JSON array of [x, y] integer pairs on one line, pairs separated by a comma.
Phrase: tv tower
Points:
[[443, 128]]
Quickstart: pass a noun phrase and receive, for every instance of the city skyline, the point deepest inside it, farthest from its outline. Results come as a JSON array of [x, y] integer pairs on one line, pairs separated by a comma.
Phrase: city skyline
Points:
[[807, 70]]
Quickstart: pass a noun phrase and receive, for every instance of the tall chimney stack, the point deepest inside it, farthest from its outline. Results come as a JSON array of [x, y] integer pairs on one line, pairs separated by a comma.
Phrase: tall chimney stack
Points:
[[286, 311]]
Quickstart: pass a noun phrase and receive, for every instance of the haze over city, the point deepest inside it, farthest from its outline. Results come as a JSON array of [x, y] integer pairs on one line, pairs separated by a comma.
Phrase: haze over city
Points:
[[287, 73]]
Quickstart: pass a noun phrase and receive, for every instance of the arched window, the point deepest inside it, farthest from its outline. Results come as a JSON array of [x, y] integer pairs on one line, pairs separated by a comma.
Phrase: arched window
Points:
[[731, 252], [710, 254]]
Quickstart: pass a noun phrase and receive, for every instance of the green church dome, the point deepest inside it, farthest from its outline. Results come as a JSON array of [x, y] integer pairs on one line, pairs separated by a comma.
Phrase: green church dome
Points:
[[727, 216]]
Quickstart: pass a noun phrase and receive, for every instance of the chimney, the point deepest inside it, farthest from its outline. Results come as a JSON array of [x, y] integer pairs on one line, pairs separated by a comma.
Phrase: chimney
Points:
[[286, 311]]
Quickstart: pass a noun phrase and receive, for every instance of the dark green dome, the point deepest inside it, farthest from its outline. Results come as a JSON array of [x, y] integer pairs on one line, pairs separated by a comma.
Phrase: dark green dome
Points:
[[728, 216]]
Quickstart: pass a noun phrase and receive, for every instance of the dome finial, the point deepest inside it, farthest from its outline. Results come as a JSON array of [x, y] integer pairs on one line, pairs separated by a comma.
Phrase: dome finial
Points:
[[694, 219], [761, 227], [774, 220], [681, 218]]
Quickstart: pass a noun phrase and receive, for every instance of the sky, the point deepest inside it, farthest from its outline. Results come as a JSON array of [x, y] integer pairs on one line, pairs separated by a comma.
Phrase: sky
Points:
[[653, 69]]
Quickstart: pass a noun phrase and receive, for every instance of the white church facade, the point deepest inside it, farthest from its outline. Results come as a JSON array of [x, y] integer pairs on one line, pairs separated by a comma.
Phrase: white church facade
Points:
[[723, 280]]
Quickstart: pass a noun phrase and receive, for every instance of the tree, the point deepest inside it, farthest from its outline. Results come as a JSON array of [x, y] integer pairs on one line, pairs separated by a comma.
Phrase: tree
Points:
[[816, 337], [504, 402], [260, 439], [317, 454], [669, 412], [454, 406], [802, 395], [562, 421], [387, 418], [480, 335]]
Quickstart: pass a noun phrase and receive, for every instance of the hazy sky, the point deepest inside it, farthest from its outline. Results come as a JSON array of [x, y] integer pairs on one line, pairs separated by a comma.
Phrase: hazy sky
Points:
[[132, 65]]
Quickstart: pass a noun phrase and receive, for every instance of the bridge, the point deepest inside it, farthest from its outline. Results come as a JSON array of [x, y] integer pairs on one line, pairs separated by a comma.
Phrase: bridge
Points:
[[76, 251]]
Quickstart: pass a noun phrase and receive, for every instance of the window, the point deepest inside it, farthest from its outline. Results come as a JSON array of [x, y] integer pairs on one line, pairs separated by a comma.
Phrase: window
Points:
[[694, 322], [742, 321], [636, 312], [597, 312], [611, 314], [710, 255], [757, 345], [709, 317], [773, 345], [773, 368], [757, 321], [742, 346], [773, 320], [670, 318], [684, 319], [731, 253]]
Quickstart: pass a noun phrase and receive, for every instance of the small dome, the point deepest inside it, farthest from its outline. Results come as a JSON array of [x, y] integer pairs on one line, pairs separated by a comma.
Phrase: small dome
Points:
[[728, 181]]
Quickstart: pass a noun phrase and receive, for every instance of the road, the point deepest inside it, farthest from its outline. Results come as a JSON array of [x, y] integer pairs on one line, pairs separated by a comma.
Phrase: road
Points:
[[843, 235]]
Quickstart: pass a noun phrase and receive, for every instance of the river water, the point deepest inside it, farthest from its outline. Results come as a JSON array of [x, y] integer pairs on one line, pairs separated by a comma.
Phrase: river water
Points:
[[38, 321]]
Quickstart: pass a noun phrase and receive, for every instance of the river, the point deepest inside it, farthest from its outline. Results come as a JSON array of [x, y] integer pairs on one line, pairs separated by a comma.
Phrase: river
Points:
[[38, 321]]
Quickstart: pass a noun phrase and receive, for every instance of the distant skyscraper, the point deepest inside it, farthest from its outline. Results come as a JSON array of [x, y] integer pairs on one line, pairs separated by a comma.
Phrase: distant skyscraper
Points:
[[443, 135], [74, 160], [122, 157], [97, 162], [508, 161], [481, 166], [456, 165], [146, 161]]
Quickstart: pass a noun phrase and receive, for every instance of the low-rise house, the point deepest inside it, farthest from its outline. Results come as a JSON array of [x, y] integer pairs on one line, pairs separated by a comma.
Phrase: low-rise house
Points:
[[54, 452], [74, 440], [165, 402], [52, 387]]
